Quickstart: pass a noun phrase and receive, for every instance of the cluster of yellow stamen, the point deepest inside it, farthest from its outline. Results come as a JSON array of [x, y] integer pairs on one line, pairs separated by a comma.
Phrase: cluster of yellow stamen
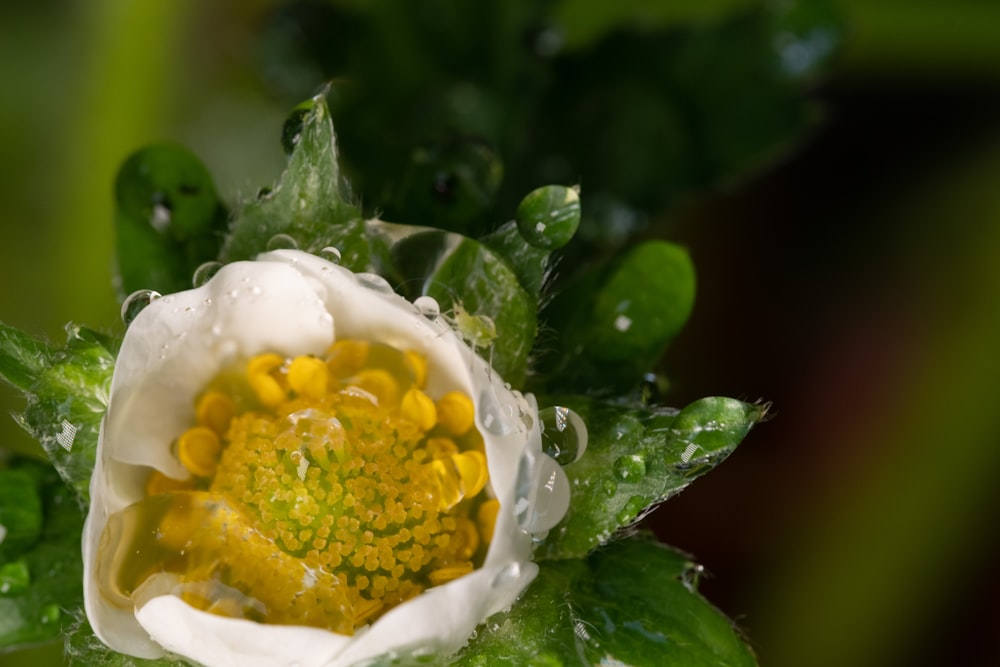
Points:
[[323, 491]]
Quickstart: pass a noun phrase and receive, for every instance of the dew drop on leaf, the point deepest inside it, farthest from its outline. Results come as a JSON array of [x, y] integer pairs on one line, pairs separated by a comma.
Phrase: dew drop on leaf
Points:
[[564, 434], [630, 468], [135, 302]]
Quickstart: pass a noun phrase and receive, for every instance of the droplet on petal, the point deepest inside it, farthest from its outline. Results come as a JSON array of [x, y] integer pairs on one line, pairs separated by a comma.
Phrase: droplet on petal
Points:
[[135, 302]]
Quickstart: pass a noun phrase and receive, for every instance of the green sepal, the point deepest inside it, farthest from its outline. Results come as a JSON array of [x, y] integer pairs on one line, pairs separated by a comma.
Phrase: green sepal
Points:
[[469, 279], [168, 219], [613, 324], [309, 207], [631, 603], [636, 458], [67, 390], [41, 573]]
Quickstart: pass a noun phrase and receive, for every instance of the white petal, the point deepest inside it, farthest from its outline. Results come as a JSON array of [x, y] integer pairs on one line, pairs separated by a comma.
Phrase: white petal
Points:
[[291, 303]]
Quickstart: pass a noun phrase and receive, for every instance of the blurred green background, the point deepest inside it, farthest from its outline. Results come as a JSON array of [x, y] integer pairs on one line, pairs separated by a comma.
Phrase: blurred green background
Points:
[[852, 277]]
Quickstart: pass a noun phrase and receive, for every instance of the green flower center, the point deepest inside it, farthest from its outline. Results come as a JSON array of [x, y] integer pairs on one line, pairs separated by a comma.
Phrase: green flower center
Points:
[[323, 492]]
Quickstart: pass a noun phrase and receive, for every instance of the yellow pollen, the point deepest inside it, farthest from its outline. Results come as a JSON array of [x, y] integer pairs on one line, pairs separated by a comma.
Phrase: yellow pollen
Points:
[[456, 412], [419, 409], [342, 491], [198, 449]]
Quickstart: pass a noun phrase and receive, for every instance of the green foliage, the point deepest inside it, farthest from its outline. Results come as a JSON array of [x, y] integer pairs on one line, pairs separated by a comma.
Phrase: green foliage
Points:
[[84, 649], [41, 574], [631, 603], [614, 322], [636, 458], [67, 391], [168, 219]]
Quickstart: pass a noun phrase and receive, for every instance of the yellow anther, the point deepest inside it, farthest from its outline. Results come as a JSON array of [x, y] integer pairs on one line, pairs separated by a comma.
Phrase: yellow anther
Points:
[[450, 573], [263, 381], [418, 363], [307, 376], [472, 469], [467, 538], [419, 409], [440, 448], [449, 483], [456, 412], [346, 357], [158, 483], [198, 449], [379, 384], [179, 526], [486, 518], [365, 609], [215, 410]]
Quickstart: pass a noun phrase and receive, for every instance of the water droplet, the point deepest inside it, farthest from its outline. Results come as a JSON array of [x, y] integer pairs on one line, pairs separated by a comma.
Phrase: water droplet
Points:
[[691, 577], [135, 302], [542, 492], [491, 413], [609, 487], [427, 306], [330, 254], [507, 576], [375, 282], [205, 272], [564, 434], [633, 508], [282, 242], [630, 468]]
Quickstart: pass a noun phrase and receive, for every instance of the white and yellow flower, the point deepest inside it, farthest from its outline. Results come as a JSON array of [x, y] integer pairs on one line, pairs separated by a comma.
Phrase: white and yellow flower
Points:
[[298, 467]]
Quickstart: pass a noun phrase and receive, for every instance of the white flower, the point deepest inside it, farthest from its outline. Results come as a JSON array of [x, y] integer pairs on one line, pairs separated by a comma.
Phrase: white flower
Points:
[[292, 303]]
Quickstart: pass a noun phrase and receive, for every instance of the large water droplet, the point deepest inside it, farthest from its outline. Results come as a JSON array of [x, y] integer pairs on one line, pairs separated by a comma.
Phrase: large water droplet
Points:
[[375, 282], [135, 302], [564, 434], [205, 272], [282, 242], [330, 254], [427, 306], [491, 413], [630, 468], [542, 492]]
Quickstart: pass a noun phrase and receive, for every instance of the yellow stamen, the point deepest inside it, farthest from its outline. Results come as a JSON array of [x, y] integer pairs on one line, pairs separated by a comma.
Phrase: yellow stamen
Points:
[[456, 412], [472, 469], [307, 376], [441, 448], [487, 518], [419, 409], [198, 449], [450, 573], [346, 357], [263, 381], [418, 364], [215, 410], [379, 384], [158, 483]]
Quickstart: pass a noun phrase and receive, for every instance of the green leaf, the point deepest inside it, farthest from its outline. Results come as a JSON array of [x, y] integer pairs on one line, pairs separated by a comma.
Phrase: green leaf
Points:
[[308, 208], [67, 391], [614, 324], [23, 358], [20, 515], [41, 572], [637, 457], [632, 603], [168, 219]]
